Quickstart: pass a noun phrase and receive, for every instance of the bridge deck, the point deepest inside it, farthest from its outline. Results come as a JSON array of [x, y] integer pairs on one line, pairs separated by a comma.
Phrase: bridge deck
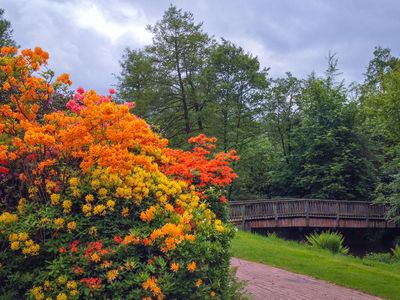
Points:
[[266, 213]]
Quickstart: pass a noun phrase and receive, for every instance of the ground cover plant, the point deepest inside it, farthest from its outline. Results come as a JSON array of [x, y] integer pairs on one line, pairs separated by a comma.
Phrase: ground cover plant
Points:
[[332, 241], [370, 276], [95, 205]]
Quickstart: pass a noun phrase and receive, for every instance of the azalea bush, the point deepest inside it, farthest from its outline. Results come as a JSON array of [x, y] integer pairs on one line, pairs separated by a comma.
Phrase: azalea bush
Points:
[[95, 205]]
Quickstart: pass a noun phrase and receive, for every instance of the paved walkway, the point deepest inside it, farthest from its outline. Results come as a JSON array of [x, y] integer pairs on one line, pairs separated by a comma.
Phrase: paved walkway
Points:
[[269, 283]]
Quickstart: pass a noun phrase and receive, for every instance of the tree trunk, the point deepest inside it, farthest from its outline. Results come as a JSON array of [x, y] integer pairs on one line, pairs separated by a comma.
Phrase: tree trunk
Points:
[[182, 89]]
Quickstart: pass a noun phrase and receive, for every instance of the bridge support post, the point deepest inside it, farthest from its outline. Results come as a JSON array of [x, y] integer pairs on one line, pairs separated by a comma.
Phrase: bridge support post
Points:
[[245, 226], [307, 213], [275, 208], [337, 213]]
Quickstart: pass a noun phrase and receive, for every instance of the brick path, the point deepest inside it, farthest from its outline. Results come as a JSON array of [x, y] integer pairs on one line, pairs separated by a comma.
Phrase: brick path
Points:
[[265, 282]]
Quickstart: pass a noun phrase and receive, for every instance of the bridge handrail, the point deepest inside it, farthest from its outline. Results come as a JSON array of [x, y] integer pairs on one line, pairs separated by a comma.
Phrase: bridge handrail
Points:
[[251, 201], [294, 207]]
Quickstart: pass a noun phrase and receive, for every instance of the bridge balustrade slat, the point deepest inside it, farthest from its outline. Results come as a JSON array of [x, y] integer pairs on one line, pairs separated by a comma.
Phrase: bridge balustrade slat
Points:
[[322, 208], [305, 208]]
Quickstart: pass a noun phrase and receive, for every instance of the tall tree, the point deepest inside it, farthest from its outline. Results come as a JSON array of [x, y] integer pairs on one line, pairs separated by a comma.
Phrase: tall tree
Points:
[[238, 86], [281, 111], [174, 62], [237, 91]]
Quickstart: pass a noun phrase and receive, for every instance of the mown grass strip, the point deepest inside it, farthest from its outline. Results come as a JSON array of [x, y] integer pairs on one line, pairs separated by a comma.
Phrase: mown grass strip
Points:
[[371, 277]]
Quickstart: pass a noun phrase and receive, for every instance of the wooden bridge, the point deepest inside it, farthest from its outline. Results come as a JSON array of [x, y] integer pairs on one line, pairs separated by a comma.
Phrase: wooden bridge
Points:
[[267, 213]]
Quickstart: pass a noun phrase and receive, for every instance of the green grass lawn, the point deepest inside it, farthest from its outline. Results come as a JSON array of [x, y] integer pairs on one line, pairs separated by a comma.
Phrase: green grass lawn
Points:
[[371, 277]]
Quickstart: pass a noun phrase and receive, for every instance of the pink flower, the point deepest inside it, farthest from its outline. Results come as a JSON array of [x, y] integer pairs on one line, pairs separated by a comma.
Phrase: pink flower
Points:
[[104, 99], [73, 106], [111, 91], [130, 104], [80, 90]]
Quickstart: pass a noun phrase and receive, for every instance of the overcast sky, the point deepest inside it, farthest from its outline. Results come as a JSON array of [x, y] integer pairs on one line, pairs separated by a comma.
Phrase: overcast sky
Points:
[[86, 38]]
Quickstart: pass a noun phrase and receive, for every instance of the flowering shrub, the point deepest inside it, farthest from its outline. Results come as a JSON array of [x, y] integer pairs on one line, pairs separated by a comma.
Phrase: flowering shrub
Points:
[[95, 205]]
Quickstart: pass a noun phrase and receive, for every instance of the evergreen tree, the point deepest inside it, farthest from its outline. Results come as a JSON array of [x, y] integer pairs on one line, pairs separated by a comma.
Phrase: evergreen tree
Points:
[[6, 31], [331, 158]]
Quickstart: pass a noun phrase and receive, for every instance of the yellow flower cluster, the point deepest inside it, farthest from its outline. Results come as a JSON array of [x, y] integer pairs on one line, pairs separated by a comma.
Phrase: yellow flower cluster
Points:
[[59, 222], [22, 241], [129, 189], [21, 205], [8, 218], [71, 226], [37, 293], [112, 275], [218, 226], [67, 206], [99, 210], [55, 199], [93, 230], [173, 234], [62, 282], [74, 181]]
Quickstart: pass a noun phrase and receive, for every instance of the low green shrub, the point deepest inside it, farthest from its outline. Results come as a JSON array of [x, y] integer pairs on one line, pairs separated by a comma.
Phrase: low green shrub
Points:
[[396, 251], [386, 258], [332, 241]]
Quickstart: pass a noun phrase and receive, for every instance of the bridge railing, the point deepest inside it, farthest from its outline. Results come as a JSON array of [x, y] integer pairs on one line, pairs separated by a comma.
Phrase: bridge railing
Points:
[[287, 208]]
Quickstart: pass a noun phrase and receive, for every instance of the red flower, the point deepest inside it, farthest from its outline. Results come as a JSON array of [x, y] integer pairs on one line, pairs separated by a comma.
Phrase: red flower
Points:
[[74, 246], [111, 91], [62, 250], [4, 170], [117, 239], [92, 282], [77, 270], [31, 157], [179, 210], [223, 199]]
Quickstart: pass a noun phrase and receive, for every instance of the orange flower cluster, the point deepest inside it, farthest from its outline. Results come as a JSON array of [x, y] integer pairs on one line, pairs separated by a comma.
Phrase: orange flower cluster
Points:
[[173, 234], [25, 92], [200, 166], [151, 285]]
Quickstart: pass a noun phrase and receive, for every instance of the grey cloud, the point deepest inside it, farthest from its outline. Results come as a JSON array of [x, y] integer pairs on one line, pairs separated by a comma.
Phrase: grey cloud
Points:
[[286, 35]]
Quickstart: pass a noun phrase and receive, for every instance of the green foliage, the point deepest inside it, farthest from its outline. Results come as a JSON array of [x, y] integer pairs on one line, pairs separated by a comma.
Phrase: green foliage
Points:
[[396, 251], [332, 241], [380, 108], [324, 154], [386, 258]]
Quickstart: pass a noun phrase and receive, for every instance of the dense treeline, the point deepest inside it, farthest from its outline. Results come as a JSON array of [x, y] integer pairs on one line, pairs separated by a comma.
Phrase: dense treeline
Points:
[[314, 137]]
